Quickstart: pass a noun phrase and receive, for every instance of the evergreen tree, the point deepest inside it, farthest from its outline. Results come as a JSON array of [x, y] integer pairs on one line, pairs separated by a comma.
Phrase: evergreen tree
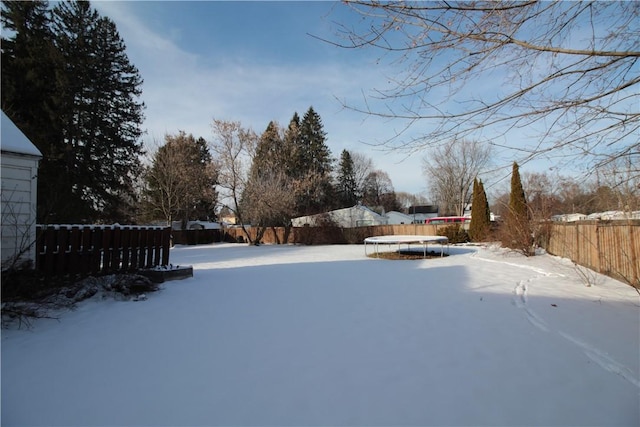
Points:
[[268, 198], [312, 160], [68, 84], [480, 214], [270, 152], [315, 153], [517, 199], [517, 233], [346, 187], [99, 110], [180, 183], [30, 64], [293, 149]]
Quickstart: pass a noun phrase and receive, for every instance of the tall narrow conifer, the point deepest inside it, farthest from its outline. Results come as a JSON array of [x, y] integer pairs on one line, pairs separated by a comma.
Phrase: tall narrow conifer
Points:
[[480, 215]]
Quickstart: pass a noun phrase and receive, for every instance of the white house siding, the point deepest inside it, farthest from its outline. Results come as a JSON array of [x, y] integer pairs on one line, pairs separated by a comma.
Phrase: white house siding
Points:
[[18, 170], [394, 217], [18, 206]]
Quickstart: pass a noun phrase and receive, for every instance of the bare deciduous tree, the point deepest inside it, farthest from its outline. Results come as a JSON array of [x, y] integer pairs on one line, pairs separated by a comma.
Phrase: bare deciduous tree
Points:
[[406, 200], [362, 167], [234, 147], [622, 178], [564, 71], [450, 171], [378, 192], [272, 200]]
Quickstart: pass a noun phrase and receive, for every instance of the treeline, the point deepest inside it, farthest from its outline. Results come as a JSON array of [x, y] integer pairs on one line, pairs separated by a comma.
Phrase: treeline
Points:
[[260, 179], [68, 84]]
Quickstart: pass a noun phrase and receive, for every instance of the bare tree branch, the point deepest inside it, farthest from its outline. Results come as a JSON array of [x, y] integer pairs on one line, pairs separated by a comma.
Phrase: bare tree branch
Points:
[[564, 71]]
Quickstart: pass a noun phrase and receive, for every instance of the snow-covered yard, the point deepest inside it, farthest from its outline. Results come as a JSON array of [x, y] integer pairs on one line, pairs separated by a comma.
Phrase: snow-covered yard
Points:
[[322, 335]]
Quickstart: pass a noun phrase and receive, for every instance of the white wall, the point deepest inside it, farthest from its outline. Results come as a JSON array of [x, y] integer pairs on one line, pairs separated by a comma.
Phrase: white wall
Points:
[[19, 190]]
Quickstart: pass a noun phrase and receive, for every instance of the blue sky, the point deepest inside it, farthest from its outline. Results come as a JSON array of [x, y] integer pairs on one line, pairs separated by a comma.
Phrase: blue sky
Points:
[[255, 62]]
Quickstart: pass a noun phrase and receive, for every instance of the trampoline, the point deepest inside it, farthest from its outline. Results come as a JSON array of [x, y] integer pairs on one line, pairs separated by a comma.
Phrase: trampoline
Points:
[[406, 240]]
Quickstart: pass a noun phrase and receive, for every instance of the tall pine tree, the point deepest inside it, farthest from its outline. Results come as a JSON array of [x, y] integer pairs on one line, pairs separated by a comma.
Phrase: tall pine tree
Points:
[[68, 84], [100, 111], [517, 233], [346, 186], [313, 166], [480, 214]]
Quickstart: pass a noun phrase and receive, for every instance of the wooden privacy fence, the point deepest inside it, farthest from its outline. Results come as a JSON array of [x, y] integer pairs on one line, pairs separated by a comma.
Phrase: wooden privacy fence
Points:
[[329, 234], [94, 249], [608, 247]]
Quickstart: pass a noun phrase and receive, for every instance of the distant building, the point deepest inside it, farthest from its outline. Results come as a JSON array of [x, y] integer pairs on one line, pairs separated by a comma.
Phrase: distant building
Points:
[[614, 215], [421, 212], [395, 217], [355, 216], [196, 225], [19, 171], [569, 217]]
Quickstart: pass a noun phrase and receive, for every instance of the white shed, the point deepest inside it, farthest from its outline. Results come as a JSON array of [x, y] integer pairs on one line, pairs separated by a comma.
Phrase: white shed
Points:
[[19, 171]]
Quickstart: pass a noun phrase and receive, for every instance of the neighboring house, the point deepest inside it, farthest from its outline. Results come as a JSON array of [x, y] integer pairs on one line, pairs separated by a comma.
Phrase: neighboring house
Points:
[[419, 213], [19, 170], [196, 225], [614, 215], [395, 217], [467, 213], [569, 217], [355, 216]]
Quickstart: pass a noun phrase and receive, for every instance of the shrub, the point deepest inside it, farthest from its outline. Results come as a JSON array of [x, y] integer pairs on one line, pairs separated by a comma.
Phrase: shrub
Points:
[[455, 233]]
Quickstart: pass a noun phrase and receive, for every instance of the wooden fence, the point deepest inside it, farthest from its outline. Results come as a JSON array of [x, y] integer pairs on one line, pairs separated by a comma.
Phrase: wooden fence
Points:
[[608, 247], [195, 237], [84, 250], [328, 234]]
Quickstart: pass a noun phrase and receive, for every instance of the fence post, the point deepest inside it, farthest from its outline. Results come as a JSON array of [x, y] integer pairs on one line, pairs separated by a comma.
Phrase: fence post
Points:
[[116, 249], [151, 245], [106, 250], [40, 245], [50, 251], [166, 243], [157, 247], [74, 251], [142, 246], [85, 250], [125, 244], [61, 255], [635, 273]]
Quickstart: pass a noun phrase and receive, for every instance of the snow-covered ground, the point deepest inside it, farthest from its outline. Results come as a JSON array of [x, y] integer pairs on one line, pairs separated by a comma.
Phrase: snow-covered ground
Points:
[[322, 335]]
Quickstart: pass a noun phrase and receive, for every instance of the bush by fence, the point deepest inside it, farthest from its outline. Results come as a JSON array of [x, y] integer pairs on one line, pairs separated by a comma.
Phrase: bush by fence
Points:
[[84, 250], [608, 247]]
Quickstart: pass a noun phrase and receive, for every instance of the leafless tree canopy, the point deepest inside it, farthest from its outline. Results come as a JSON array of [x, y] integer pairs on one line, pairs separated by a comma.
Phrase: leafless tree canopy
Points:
[[450, 171], [566, 73], [234, 148]]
